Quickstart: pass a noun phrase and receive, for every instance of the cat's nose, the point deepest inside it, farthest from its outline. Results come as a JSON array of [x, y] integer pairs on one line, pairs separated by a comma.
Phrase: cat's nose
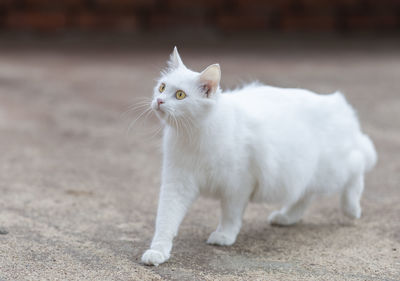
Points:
[[159, 101]]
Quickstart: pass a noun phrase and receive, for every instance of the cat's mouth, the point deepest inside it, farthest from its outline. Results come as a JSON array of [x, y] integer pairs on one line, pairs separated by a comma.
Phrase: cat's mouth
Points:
[[159, 111], [157, 107]]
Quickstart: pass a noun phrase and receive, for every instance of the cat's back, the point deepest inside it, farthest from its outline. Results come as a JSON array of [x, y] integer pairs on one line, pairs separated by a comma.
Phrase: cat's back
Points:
[[286, 113], [262, 101], [259, 95]]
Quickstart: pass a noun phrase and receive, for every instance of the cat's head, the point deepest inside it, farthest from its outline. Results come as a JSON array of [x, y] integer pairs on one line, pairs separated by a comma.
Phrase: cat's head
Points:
[[182, 93]]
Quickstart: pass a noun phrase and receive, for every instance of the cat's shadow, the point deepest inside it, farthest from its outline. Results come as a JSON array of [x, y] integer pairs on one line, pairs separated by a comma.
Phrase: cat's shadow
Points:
[[257, 247], [266, 240], [269, 239]]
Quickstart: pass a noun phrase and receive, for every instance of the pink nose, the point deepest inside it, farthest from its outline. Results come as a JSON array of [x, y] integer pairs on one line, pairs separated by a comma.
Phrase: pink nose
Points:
[[159, 101]]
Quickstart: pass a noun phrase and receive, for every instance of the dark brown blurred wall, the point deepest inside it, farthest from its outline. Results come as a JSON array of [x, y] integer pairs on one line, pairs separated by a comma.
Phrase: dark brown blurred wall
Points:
[[216, 15]]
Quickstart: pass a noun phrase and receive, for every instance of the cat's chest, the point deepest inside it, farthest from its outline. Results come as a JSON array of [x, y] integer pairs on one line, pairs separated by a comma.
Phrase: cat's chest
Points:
[[211, 165], [198, 156]]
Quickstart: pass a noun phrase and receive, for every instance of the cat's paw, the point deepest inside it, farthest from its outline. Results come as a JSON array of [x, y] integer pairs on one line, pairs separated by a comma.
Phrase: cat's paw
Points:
[[352, 210], [221, 239], [153, 257], [278, 218]]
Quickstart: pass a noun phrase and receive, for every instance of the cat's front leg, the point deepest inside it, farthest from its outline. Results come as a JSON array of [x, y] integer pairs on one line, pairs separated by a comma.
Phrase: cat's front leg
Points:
[[174, 202], [230, 223]]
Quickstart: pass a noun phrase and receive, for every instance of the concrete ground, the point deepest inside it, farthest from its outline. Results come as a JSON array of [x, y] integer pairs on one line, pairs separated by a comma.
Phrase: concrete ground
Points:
[[79, 190]]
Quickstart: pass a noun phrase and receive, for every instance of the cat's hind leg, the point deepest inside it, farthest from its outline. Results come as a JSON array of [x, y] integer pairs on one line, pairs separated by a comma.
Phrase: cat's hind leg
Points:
[[351, 196], [292, 213], [352, 191]]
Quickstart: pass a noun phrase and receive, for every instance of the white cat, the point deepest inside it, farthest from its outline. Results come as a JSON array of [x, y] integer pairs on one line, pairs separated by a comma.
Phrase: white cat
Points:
[[257, 143]]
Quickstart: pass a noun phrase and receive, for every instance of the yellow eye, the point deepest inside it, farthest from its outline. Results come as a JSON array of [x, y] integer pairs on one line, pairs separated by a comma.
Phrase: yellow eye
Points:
[[180, 95], [162, 88]]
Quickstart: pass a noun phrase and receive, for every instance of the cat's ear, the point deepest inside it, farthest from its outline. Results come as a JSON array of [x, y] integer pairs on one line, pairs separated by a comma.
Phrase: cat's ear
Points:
[[175, 60], [209, 79]]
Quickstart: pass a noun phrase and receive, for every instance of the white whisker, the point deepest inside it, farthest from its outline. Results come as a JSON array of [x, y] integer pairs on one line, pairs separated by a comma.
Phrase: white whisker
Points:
[[137, 118]]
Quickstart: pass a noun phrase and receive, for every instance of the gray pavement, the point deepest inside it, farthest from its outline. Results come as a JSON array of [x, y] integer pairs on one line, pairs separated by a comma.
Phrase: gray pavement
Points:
[[78, 190]]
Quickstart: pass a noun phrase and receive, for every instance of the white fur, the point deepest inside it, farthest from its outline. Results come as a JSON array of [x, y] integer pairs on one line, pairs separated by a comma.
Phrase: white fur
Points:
[[257, 143]]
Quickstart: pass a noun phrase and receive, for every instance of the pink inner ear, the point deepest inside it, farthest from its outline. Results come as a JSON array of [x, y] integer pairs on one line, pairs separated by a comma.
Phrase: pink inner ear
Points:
[[206, 88], [209, 87]]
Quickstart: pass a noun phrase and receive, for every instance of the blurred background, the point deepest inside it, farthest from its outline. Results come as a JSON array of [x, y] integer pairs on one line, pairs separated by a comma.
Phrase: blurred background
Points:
[[80, 173], [214, 16]]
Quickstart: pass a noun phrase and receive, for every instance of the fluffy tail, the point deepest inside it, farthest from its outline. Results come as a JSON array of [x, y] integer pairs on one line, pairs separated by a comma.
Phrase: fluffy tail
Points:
[[368, 149]]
